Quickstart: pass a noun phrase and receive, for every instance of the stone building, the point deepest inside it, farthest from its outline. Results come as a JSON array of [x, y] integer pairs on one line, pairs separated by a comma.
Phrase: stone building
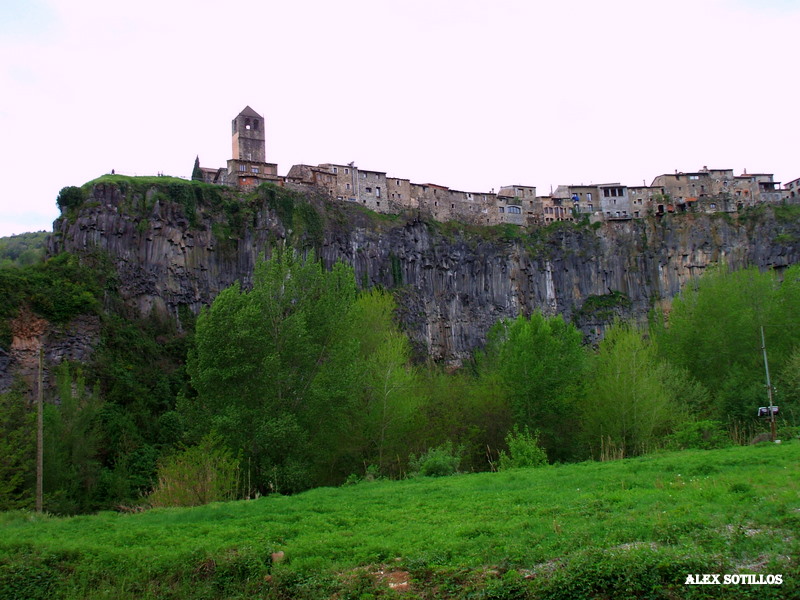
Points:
[[249, 167], [717, 190], [517, 204], [791, 190], [707, 190], [614, 201]]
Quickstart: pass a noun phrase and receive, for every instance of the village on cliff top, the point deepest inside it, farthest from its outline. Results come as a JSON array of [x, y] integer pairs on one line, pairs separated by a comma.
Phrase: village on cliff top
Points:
[[706, 190]]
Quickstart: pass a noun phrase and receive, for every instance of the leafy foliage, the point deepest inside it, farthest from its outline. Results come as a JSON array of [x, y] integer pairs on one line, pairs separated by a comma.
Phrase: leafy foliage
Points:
[[197, 475], [22, 250], [58, 289], [628, 407], [271, 368], [714, 334], [17, 451], [523, 450], [71, 197], [436, 462], [539, 362], [72, 445]]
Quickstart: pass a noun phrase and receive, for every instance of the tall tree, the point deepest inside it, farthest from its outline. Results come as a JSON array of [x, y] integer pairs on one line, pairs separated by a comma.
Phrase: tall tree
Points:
[[17, 451], [539, 362], [72, 442], [714, 334], [255, 360], [197, 173], [628, 407]]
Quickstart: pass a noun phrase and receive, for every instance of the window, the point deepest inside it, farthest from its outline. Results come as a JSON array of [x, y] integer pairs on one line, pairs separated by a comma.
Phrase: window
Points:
[[502, 209], [347, 171], [255, 124], [378, 192], [397, 182], [588, 196], [242, 168], [713, 205], [369, 190], [590, 207], [363, 175], [247, 123], [335, 171], [514, 210], [694, 177], [452, 206], [347, 186], [254, 169]]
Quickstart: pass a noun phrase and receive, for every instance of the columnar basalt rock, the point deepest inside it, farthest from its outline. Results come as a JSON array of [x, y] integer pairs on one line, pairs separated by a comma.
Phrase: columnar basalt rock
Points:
[[453, 283]]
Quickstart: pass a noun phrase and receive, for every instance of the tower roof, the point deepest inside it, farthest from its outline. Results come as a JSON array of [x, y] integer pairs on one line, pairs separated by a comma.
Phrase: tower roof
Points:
[[249, 112]]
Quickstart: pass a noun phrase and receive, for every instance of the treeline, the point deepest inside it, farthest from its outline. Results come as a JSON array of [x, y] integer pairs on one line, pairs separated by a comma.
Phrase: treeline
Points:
[[23, 249], [305, 380]]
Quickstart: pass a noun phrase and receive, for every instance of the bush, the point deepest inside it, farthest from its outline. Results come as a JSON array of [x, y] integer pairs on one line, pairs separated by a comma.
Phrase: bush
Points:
[[701, 435], [523, 450], [436, 462], [197, 475], [70, 197]]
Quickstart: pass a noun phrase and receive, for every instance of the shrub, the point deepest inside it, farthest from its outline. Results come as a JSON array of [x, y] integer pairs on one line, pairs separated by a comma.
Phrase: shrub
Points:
[[701, 435], [70, 197], [197, 475], [436, 462], [523, 450]]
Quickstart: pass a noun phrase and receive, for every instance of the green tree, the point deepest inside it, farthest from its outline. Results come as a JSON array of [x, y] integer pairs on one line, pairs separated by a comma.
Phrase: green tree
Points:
[[539, 363], [628, 408], [70, 197], [714, 334], [197, 173], [255, 360], [362, 402], [71, 445], [17, 450]]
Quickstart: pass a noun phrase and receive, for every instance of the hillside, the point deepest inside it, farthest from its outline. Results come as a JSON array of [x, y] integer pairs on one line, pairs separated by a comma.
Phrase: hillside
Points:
[[633, 528]]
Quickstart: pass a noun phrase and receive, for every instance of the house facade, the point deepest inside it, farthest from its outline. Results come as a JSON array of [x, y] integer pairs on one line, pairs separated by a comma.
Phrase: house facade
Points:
[[705, 190]]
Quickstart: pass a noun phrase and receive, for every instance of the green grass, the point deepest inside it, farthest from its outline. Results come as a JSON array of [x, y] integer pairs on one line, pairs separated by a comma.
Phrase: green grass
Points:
[[626, 529]]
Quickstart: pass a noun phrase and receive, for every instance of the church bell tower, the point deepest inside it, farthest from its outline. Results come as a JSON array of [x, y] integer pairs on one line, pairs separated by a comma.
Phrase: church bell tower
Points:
[[249, 138]]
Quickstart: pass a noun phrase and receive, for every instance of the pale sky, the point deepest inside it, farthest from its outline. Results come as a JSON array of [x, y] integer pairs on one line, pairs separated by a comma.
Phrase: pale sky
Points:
[[464, 93]]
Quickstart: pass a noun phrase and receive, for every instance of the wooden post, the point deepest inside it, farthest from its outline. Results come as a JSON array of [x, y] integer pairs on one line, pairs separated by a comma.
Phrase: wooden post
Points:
[[39, 436], [769, 387]]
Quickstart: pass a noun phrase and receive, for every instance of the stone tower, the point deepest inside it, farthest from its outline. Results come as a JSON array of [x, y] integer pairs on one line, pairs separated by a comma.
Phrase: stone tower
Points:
[[249, 139]]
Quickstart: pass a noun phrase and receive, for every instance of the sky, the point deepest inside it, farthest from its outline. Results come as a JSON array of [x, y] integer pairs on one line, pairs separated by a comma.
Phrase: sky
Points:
[[468, 94]]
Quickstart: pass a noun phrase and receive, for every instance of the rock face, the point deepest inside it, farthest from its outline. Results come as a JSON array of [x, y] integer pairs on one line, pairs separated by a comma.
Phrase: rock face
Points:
[[453, 283], [74, 341]]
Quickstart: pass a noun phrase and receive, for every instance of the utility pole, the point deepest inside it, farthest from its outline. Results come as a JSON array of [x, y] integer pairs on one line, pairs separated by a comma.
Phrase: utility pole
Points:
[[39, 436], [769, 387]]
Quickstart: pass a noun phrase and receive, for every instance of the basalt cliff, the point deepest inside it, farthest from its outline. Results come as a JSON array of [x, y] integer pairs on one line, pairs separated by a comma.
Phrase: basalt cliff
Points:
[[175, 246]]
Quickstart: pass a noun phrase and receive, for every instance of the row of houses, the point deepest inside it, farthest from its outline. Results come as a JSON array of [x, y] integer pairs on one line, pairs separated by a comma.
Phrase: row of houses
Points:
[[705, 190]]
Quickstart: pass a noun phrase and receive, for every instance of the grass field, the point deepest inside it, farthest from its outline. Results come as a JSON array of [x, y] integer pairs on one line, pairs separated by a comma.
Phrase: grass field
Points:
[[624, 529]]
